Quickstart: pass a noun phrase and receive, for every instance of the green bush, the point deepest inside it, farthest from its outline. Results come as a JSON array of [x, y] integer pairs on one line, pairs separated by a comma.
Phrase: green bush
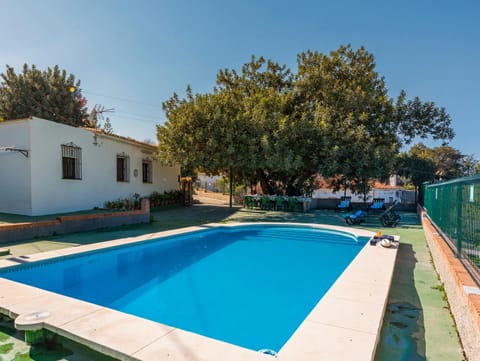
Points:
[[168, 197], [130, 203]]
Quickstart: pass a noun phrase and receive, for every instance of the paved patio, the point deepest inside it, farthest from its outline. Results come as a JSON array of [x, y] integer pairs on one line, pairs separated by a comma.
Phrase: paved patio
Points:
[[417, 326]]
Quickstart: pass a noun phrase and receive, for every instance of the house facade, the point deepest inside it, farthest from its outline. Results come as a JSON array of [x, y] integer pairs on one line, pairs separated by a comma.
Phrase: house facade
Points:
[[390, 192], [390, 195], [48, 167], [208, 182]]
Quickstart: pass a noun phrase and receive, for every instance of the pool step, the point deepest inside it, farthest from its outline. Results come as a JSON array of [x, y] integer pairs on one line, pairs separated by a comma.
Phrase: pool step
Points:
[[309, 236]]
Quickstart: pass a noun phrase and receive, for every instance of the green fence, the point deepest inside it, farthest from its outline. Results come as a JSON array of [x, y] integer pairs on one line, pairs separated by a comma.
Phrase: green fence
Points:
[[454, 208]]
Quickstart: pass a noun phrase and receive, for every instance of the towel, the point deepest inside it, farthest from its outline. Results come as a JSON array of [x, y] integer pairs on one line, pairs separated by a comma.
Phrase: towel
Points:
[[375, 239]]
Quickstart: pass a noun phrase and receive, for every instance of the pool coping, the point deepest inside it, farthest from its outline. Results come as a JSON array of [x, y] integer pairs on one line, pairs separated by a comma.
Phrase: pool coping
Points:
[[344, 325]]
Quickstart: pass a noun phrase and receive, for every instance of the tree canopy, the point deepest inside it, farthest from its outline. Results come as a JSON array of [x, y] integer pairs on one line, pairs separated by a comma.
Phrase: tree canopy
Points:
[[446, 162], [332, 117], [416, 168], [51, 94]]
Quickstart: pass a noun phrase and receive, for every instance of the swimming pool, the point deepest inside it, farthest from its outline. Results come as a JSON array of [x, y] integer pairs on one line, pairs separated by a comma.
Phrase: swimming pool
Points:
[[247, 285]]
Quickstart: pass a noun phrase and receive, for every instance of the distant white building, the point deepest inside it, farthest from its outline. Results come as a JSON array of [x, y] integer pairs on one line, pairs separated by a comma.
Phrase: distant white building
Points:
[[208, 182], [48, 167], [389, 192]]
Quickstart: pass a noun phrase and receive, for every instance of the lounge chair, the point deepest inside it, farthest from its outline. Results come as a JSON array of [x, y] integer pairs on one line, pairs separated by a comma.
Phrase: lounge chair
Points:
[[265, 203], [377, 205], [345, 204], [294, 204], [280, 203], [356, 218], [249, 202], [389, 218]]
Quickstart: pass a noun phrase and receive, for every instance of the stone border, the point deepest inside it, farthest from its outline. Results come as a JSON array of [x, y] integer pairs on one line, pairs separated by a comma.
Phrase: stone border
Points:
[[344, 325], [71, 224], [462, 291]]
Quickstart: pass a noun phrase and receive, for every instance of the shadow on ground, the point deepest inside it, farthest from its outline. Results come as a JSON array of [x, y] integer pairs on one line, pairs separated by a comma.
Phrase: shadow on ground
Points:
[[403, 333]]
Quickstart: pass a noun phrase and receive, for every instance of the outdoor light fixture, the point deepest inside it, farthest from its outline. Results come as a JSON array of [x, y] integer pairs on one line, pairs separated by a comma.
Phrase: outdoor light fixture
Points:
[[95, 141], [15, 149]]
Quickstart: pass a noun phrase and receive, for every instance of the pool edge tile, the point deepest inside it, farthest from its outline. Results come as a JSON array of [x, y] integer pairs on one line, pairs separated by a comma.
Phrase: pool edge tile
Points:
[[107, 329], [314, 342], [180, 345]]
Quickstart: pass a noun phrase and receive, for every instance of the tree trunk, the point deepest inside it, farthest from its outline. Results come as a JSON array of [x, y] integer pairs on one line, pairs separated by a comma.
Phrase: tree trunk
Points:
[[291, 189], [231, 187], [266, 187]]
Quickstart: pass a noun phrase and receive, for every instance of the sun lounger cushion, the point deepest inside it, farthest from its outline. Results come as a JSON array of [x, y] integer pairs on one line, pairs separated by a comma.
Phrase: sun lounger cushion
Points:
[[376, 205], [357, 214]]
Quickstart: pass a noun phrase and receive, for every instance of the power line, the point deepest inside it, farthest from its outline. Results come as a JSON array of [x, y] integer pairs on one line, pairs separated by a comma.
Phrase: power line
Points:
[[128, 117], [123, 99], [148, 117], [131, 116], [65, 120]]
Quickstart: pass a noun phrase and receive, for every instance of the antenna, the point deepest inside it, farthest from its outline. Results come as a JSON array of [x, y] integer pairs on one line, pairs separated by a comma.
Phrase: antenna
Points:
[[96, 114]]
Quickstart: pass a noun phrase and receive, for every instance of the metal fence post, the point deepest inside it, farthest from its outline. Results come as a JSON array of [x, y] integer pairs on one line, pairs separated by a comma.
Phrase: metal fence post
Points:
[[459, 232]]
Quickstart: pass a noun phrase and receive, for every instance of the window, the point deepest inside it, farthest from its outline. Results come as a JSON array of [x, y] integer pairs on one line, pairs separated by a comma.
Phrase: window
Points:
[[123, 168], [147, 171], [71, 161]]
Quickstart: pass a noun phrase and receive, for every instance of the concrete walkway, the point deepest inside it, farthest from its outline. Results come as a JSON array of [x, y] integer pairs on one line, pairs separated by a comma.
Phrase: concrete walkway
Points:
[[418, 325]]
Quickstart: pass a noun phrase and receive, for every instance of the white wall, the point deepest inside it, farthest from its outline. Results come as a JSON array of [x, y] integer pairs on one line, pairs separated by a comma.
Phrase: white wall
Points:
[[389, 195], [52, 194], [15, 168], [325, 193], [208, 182]]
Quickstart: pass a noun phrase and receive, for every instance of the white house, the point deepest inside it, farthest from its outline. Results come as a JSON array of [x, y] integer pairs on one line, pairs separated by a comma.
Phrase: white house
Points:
[[48, 167], [389, 192], [208, 182]]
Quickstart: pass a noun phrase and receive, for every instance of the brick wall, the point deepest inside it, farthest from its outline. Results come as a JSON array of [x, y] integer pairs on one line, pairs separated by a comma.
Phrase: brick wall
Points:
[[461, 289], [72, 224]]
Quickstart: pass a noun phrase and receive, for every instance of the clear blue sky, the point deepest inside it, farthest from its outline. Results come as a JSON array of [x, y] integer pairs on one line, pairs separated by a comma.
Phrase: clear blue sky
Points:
[[132, 55]]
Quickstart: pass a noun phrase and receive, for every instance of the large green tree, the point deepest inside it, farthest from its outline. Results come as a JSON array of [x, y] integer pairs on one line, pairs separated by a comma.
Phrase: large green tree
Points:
[[332, 117], [415, 167], [232, 130], [449, 162], [423, 164], [51, 94], [346, 102], [360, 128], [469, 165], [258, 94]]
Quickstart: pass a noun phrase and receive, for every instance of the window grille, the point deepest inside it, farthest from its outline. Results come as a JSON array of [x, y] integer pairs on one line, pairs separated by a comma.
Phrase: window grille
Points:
[[71, 161], [147, 171], [123, 168]]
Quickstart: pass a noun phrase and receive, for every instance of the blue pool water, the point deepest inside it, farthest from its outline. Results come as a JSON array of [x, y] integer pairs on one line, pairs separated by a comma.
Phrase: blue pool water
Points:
[[249, 285]]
